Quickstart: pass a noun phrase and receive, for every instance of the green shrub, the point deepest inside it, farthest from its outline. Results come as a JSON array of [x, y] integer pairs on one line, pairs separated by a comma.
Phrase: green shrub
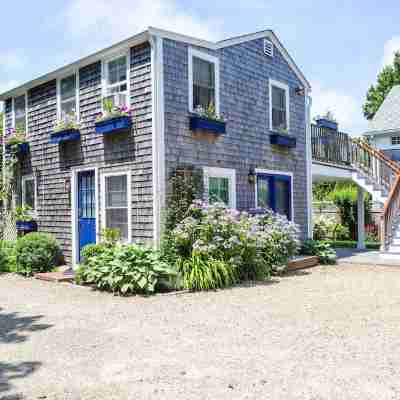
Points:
[[206, 274], [92, 250], [36, 252], [326, 254], [340, 232], [7, 256], [351, 244], [126, 269]]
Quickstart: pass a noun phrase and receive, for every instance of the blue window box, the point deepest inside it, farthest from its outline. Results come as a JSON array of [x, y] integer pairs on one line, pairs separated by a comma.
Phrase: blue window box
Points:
[[327, 123], [68, 135], [23, 148], [26, 226], [200, 123], [113, 125], [283, 140]]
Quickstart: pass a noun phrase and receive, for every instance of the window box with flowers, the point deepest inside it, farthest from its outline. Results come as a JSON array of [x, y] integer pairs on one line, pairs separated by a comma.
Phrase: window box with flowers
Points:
[[24, 220], [283, 139], [205, 124], [16, 142], [113, 119], [66, 130]]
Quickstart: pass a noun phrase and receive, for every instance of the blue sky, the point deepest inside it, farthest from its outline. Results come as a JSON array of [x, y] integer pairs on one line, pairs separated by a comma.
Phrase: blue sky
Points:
[[340, 46]]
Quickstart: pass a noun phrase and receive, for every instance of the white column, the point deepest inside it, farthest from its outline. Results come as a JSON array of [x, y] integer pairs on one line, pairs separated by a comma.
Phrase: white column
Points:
[[360, 220]]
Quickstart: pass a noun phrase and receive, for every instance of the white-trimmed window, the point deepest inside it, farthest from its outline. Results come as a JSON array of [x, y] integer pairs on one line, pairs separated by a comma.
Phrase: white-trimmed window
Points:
[[68, 97], [29, 192], [220, 185], [203, 81], [116, 209], [278, 106], [395, 140], [20, 113], [116, 75]]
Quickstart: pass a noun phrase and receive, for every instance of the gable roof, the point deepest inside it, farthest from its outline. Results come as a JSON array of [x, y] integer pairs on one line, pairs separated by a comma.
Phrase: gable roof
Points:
[[146, 35], [387, 118]]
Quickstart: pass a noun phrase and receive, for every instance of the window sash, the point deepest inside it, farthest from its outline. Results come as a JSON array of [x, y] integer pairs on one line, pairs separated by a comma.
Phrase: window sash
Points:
[[20, 113], [395, 140], [28, 192], [203, 83], [218, 190], [117, 79], [279, 107]]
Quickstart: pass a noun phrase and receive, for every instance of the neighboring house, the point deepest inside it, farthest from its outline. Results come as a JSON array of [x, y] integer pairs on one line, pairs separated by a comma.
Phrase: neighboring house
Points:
[[121, 180], [384, 128]]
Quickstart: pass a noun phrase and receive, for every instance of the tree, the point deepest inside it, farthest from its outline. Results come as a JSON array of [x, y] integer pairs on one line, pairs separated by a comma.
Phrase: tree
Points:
[[387, 78]]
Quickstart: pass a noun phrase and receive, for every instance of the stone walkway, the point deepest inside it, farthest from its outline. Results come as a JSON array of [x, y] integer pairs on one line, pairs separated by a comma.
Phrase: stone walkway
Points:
[[324, 333]]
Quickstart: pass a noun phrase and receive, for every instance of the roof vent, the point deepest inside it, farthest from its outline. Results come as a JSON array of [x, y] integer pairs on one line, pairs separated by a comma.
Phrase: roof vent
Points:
[[268, 48]]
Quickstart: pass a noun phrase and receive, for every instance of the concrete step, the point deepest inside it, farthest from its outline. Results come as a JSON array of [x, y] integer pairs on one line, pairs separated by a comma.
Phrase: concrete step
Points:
[[394, 249]]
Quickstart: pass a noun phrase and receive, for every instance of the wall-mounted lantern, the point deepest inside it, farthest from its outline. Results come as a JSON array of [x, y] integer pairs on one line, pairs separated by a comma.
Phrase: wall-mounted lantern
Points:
[[252, 176]]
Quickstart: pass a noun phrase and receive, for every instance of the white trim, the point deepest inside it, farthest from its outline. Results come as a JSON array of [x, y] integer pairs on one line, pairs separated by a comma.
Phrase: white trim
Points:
[[285, 87], [58, 84], [103, 176], [307, 105], [211, 59], [74, 208], [276, 172], [143, 37], [25, 178], [158, 143], [216, 172]]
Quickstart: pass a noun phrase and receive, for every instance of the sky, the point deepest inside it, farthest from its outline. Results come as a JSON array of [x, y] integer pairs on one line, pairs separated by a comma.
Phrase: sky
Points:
[[339, 45]]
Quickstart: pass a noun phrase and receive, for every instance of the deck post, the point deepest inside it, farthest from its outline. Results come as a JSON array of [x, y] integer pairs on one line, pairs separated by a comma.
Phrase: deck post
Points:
[[360, 219]]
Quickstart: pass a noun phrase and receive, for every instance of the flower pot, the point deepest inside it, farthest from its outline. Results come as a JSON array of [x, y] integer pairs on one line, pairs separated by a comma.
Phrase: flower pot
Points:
[[279, 139], [23, 148], [327, 123], [113, 125], [67, 135], [26, 226]]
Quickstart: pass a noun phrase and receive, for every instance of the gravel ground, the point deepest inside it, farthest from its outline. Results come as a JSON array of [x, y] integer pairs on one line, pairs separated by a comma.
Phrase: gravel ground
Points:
[[328, 333]]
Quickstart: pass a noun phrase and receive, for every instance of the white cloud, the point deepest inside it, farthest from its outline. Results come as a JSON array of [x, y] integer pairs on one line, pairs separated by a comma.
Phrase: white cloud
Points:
[[389, 48], [108, 21], [346, 108]]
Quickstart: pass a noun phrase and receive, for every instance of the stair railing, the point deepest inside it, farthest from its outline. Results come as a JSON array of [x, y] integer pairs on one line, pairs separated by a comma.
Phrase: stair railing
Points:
[[386, 174]]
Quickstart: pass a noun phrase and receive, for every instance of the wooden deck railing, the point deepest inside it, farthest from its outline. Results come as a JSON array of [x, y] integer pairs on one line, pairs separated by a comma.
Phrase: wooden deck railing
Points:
[[338, 148]]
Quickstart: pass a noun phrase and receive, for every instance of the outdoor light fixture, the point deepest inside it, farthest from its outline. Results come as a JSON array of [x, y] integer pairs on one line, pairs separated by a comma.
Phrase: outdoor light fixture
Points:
[[252, 176], [300, 91]]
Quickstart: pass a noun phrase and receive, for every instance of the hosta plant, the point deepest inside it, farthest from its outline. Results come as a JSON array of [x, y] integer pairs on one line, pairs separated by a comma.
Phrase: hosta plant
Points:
[[326, 254], [125, 269]]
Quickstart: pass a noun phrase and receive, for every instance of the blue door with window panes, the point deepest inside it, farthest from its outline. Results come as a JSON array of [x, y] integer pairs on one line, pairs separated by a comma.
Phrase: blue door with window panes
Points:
[[86, 209], [275, 192]]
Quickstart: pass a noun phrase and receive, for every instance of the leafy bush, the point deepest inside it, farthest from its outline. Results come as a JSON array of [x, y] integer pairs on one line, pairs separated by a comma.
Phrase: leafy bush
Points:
[[351, 244], [92, 250], [206, 274], [125, 269], [253, 246], [7, 256], [36, 252], [326, 254], [340, 232], [327, 228]]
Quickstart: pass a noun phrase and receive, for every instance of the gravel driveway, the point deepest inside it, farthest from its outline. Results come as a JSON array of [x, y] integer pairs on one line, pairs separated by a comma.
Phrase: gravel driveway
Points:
[[328, 333]]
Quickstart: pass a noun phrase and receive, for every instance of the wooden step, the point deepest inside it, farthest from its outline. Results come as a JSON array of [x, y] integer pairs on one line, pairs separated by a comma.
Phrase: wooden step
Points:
[[67, 276], [302, 262]]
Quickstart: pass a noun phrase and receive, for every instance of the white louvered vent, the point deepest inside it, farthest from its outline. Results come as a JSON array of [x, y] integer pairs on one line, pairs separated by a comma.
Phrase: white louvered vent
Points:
[[268, 48]]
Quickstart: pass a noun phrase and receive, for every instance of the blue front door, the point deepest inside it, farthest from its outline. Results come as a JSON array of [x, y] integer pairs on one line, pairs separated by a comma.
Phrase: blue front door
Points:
[[86, 209], [275, 192]]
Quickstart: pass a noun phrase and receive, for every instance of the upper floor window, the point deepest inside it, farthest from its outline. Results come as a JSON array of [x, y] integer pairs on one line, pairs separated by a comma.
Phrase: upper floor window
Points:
[[203, 81], [395, 140], [68, 105], [117, 76], [20, 114], [28, 192], [279, 106]]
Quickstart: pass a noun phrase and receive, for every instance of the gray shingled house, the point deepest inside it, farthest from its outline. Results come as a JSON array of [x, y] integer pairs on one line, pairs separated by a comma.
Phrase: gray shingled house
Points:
[[258, 155], [384, 128]]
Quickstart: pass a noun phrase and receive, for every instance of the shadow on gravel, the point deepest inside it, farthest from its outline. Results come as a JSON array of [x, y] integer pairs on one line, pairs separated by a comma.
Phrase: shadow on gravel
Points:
[[13, 371], [16, 329]]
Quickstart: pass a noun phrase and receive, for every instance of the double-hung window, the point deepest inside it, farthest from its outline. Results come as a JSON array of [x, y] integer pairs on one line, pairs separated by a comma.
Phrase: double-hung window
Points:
[[68, 99], [28, 192], [117, 76], [220, 185], [116, 207], [395, 140], [203, 81], [20, 114], [279, 106]]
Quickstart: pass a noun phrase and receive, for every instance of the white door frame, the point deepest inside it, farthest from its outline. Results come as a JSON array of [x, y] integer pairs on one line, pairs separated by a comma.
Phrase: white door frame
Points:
[[74, 209]]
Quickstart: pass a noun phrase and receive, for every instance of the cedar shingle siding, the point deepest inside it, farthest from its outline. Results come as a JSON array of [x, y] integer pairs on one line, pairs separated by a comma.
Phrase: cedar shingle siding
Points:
[[52, 163]]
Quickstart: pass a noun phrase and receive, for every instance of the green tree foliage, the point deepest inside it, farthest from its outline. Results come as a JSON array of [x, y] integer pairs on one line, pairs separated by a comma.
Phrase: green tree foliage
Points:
[[387, 78]]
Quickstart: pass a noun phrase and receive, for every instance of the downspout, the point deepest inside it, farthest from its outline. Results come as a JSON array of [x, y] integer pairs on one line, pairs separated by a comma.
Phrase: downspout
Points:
[[308, 103], [158, 150]]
